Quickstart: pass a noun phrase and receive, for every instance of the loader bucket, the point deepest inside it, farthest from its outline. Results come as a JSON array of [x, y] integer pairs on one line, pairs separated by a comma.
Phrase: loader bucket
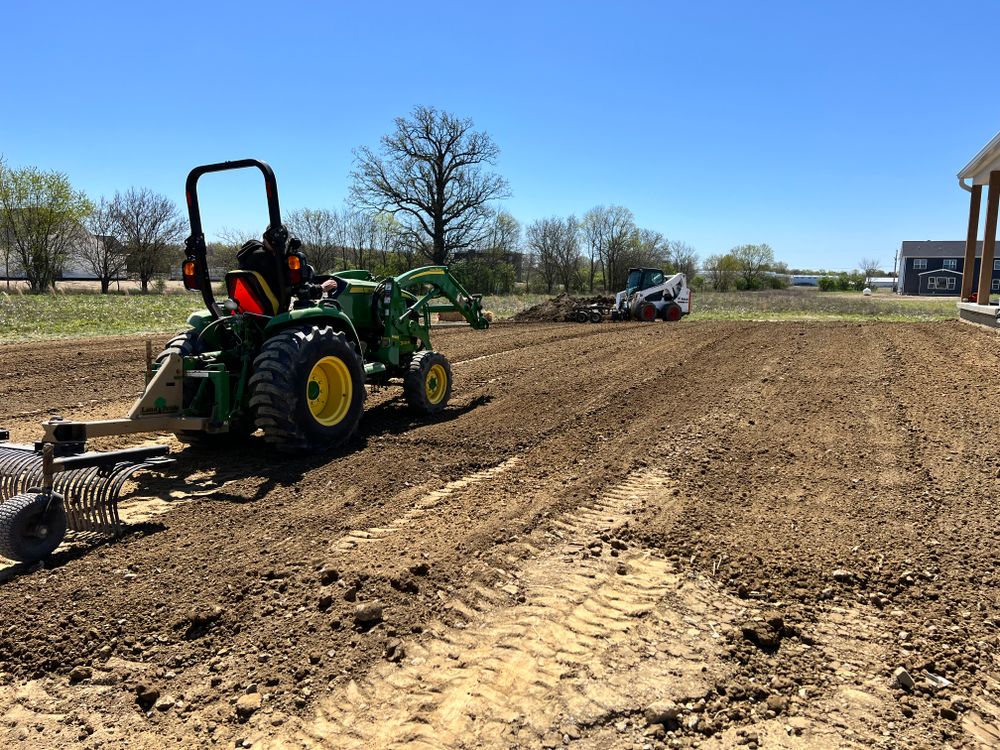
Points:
[[89, 484]]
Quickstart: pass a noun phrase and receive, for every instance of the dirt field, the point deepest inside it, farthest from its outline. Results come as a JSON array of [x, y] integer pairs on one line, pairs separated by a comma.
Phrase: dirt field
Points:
[[619, 536]]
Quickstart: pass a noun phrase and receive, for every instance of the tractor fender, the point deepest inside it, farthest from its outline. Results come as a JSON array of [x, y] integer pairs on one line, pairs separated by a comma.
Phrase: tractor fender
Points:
[[329, 314], [199, 319]]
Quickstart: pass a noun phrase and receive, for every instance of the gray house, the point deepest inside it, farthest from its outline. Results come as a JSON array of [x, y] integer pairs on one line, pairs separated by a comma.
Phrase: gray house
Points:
[[935, 267]]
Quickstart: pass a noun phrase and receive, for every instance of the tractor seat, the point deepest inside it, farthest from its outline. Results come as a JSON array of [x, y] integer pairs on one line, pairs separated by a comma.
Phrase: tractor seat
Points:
[[251, 293]]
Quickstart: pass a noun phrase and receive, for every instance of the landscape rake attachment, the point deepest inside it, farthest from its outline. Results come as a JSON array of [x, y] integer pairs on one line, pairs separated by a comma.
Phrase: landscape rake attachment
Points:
[[43, 495]]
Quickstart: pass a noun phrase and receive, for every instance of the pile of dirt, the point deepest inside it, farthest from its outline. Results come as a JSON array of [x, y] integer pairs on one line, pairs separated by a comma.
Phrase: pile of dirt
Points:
[[558, 309]]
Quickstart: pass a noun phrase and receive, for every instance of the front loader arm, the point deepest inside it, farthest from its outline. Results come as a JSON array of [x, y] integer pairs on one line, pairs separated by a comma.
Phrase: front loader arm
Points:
[[442, 284]]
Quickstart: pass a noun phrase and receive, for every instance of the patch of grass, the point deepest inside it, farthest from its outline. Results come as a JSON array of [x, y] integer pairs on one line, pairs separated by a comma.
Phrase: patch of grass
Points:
[[28, 317], [45, 316], [810, 304]]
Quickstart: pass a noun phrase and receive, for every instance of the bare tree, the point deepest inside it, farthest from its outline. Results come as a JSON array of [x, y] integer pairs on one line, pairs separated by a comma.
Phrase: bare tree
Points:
[[555, 244], [869, 268], [103, 253], [568, 253], [592, 228], [319, 230], [431, 177], [614, 231], [387, 242], [40, 217], [223, 252], [543, 242], [362, 235], [684, 259], [649, 249], [150, 227]]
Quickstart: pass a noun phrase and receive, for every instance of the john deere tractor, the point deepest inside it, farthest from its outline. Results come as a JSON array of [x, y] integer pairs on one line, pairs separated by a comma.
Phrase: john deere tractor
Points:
[[288, 352]]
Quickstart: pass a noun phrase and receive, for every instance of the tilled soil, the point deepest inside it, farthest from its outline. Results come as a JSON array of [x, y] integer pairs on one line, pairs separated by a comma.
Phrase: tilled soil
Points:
[[699, 534]]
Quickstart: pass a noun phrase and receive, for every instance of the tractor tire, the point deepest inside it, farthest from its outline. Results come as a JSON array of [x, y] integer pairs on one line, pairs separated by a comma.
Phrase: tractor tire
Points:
[[307, 390], [427, 383], [596, 316], [672, 313], [579, 316], [646, 312], [188, 344], [26, 533]]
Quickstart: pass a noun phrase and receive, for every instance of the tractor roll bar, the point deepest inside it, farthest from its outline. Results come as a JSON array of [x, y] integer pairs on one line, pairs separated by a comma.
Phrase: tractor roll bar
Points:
[[196, 250]]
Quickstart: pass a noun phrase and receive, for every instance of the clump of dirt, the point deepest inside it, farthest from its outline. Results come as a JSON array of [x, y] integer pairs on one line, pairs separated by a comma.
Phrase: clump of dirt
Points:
[[559, 309]]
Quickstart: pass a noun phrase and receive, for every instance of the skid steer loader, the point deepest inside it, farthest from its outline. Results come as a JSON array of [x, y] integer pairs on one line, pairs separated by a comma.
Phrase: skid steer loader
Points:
[[288, 352], [649, 294]]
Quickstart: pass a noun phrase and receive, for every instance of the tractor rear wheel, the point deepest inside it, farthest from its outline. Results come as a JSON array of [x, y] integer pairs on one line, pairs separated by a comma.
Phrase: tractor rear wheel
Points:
[[27, 532], [427, 383], [307, 390], [188, 344]]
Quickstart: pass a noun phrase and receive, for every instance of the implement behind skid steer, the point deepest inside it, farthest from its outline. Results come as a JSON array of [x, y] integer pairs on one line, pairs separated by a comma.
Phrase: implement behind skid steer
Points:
[[288, 353]]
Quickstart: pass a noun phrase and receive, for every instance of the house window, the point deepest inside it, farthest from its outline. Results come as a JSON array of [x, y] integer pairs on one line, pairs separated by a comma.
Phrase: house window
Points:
[[951, 263], [944, 283], [919, 263], [995, 286]]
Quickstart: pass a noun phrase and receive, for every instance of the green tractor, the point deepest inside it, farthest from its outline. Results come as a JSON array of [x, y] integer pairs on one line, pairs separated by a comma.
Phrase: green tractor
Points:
[[288, 352]]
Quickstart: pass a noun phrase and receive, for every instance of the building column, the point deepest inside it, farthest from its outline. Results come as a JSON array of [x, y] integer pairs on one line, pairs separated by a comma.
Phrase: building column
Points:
[[969, 267], [989, 239]]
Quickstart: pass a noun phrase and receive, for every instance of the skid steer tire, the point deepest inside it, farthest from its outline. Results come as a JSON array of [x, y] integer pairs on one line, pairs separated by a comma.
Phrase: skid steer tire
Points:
[[188, 344], [646, 312], [27, 533], [307, 390], [427, 383], [672, 313]]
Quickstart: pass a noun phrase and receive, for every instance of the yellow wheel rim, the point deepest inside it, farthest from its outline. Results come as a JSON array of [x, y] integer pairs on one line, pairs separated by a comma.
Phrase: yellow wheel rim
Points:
[[328, 391], [436, 383]]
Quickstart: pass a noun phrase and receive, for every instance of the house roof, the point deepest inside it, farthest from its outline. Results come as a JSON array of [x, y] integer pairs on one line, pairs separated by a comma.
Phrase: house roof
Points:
[[940, 270], [987, 160], [939, 249]]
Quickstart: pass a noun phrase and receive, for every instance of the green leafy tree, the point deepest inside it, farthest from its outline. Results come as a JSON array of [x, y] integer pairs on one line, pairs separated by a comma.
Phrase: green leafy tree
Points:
[[754, 261], [40, 222], [722, 271]]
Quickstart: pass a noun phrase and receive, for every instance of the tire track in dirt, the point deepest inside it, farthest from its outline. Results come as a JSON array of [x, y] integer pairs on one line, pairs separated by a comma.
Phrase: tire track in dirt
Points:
[[517, 673], [361, 538]]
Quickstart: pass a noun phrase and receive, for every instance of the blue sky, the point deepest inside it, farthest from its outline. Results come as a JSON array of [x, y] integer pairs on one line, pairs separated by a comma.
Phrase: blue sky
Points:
[[830, 130]]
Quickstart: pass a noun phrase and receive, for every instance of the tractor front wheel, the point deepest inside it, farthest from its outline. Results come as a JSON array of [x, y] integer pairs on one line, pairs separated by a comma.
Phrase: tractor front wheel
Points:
[[427, 383], [307, 390], [31, 527]]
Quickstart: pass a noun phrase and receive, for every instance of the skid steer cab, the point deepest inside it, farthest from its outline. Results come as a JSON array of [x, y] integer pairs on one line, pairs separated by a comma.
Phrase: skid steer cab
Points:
[[286, 353], [650, 294]]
